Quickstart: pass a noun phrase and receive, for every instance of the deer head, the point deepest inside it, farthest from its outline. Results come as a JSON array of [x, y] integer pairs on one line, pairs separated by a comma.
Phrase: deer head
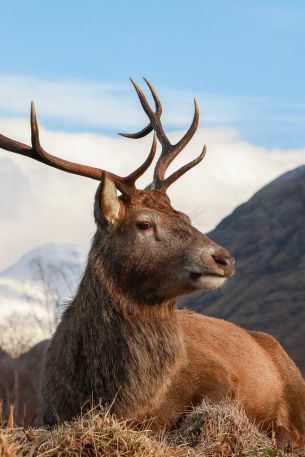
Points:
[[151, 252]]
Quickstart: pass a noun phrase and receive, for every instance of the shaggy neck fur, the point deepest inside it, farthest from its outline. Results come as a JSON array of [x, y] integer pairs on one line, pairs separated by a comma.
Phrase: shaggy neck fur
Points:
[[119, 352]]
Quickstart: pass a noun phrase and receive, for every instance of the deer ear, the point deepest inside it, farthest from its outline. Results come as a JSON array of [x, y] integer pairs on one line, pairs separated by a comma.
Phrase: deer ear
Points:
[[107, 205]]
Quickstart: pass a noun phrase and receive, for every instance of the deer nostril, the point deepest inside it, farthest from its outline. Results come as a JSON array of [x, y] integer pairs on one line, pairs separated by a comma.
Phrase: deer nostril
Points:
[[223, 261]]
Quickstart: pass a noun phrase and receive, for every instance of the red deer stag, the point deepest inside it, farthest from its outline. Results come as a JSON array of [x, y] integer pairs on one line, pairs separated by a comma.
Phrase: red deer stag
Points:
[[123, 342]]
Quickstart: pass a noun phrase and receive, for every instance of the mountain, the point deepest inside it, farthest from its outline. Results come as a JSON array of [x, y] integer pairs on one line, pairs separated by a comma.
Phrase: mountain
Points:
[[266, 236], [39, 283]]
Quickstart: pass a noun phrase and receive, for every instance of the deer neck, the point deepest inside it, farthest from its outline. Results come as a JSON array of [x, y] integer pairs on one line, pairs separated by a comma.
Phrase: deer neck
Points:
[[131, 351]]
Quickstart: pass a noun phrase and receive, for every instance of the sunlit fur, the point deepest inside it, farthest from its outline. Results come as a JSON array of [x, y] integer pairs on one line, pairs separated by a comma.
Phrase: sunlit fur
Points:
[[122, 340]]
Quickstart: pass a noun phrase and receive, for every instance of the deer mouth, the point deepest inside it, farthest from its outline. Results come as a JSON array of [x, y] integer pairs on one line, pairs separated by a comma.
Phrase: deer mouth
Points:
[[206, 279], [195, 275]]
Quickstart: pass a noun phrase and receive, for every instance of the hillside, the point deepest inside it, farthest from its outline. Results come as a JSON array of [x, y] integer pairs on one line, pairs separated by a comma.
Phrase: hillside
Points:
[[266, 235]]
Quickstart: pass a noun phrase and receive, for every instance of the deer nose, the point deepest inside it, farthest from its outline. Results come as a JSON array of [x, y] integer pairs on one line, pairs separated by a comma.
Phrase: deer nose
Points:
[[224, 261]]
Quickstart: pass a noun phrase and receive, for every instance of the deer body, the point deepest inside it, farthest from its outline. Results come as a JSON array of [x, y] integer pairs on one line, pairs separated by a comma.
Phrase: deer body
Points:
[[142, 357], [123, 343]]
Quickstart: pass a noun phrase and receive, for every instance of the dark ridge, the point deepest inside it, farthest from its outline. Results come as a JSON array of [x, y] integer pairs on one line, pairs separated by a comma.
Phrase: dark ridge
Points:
[[266, 235]]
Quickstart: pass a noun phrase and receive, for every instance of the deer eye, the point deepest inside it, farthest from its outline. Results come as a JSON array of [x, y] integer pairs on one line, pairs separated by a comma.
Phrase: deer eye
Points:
[[143, 225]]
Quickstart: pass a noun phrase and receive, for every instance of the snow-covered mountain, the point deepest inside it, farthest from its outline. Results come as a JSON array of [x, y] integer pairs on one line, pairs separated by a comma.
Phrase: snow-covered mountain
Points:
[[36, 286]]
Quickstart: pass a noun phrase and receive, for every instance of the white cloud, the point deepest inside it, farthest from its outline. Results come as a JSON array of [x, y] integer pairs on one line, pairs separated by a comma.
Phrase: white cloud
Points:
[[48, 205]]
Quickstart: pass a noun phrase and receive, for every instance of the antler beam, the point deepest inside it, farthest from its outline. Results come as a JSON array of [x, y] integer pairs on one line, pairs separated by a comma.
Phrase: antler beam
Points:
[[125, 184]]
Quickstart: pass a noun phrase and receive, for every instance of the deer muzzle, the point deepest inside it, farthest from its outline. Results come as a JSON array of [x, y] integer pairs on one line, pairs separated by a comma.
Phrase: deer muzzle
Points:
[[213, 268]]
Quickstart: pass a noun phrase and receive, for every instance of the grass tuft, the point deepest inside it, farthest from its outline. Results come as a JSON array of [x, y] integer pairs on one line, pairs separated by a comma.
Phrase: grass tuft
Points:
[[222, 429]]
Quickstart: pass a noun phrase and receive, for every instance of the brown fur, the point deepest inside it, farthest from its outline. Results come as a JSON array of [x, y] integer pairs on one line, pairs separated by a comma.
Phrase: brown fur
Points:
[[123, 342]]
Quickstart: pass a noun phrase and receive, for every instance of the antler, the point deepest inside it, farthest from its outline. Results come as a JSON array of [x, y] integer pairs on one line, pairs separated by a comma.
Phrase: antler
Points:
[[169, 151], [126, 184]]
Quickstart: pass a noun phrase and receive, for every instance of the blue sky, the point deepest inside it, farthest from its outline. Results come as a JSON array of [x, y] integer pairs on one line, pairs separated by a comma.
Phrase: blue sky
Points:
[[244, 60]]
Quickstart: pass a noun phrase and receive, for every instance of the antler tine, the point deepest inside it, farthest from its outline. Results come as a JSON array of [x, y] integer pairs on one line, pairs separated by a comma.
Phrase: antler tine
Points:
[[125, 184], [132, 178], [191, 131], [165, 183], [170, 152], [154, 118], [35, 130], [149, 128]]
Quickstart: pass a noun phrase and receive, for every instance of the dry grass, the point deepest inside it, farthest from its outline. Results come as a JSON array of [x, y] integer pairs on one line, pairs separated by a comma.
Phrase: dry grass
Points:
[[222, 429], [92, 435], [211, 430], [6, 449]]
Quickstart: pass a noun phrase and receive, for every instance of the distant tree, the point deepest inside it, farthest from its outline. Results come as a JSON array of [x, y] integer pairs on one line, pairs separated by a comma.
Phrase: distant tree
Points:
[[51, 279], [16, 338]]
